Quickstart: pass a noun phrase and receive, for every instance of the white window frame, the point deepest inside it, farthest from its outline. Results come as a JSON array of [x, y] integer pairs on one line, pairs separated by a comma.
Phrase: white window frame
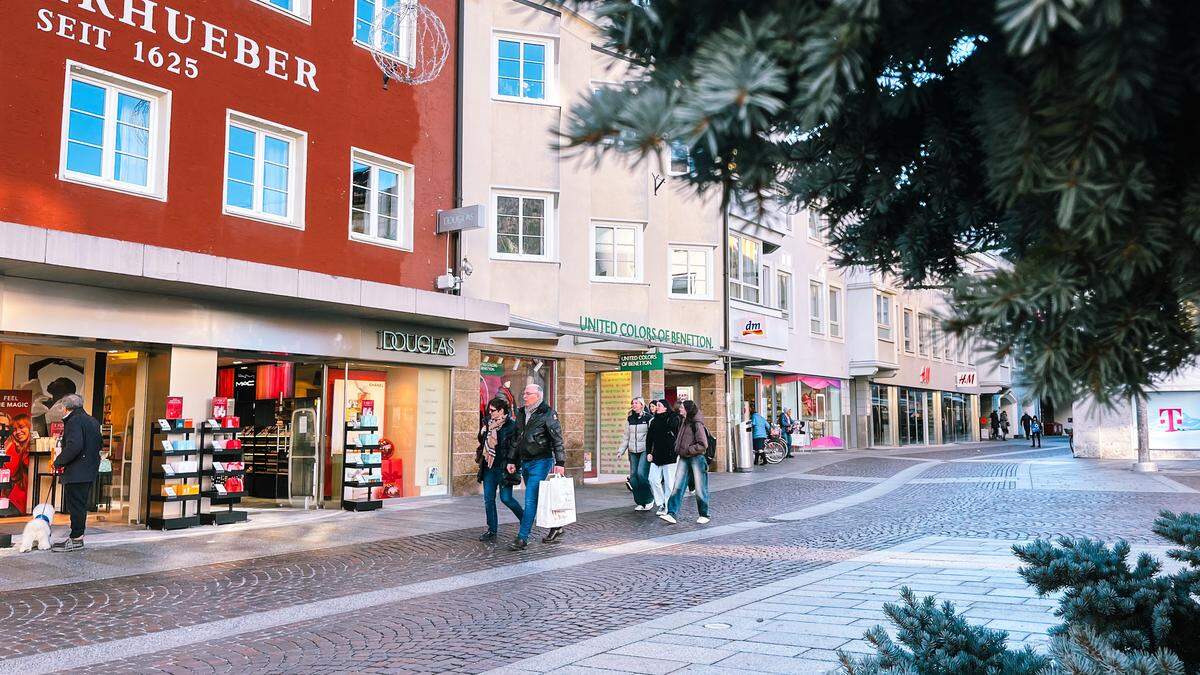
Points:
[[551, 67], [766, 278], [159, 138], [816, 307], [907, 329], [406, 172], [297, 149], [301, 9], [784, 285], [884, 331], [709, 282], [671, 145], [815, 216], [409, 36], [835, 327], [924, 337], [638, 228], [549, 224], [761, 273]]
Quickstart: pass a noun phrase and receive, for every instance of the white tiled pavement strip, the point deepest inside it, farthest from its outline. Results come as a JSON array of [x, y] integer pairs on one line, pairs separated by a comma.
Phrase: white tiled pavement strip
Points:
[[797, 625]]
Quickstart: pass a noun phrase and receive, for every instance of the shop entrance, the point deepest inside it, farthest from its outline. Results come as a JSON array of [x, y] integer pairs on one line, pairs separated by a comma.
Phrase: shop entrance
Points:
[[34, 378]]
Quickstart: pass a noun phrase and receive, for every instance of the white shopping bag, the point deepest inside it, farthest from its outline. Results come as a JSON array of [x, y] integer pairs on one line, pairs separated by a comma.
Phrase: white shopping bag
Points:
[[556, 502]]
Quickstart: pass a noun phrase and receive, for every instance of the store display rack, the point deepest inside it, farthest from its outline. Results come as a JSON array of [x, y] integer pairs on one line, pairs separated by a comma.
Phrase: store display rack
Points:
[[359, 503], [266, 454], [158, 478], [211, 431]]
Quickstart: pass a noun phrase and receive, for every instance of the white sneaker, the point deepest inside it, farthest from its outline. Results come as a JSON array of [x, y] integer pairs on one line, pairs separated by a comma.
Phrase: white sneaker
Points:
[[702, 519], [668, 517], [660, 511], [641, 507]]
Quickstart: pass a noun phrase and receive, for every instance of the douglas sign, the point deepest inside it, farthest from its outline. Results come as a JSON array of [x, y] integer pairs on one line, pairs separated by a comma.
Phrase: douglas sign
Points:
[[92, 21]]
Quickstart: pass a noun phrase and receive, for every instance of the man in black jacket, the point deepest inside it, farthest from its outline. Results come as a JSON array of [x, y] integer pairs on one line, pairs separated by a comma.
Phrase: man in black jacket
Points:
[[537, 451], [80, 464]]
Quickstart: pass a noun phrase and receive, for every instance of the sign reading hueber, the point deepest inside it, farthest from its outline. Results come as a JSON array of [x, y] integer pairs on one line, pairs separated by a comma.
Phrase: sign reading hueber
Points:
[[396, 341], [639, 332]]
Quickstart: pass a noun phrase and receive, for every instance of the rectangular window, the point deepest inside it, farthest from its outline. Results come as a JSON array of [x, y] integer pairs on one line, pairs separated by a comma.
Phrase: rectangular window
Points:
[[883, 316], [816, 226], [881, 418], [380, 200], [908, 331], [616, 252], [924, 334], [745, 268], [385, 26], [784, 296], [835, 312], [300, 9], [522, 226], [263, 170], [766, 285], [816, 322], [947, 350], [114, 132], [522, 68], [690, 270], [681, 159]]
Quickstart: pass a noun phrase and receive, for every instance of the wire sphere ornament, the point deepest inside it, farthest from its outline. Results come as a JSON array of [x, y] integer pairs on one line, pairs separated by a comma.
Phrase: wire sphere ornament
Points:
[[410, 42]]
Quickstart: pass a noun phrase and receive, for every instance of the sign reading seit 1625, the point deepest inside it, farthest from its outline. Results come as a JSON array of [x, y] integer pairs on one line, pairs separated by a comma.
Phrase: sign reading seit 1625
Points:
[[98, 17]]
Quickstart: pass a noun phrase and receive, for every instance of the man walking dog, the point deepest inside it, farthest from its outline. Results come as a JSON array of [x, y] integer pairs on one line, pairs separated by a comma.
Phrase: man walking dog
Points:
[[80, 464]]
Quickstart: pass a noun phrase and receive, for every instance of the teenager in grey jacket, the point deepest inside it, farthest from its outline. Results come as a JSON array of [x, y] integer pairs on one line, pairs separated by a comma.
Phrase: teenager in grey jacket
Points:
[[634, 442]]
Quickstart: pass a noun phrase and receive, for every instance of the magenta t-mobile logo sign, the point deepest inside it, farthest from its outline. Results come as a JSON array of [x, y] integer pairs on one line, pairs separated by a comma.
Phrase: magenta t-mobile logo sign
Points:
[[1170, 417]]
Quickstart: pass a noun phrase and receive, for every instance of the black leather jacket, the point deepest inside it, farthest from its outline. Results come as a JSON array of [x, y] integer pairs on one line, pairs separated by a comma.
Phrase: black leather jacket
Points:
[[537, 437]]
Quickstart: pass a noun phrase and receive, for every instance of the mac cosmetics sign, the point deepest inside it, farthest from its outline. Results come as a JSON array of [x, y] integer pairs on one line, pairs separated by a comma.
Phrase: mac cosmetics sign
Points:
[[413, 343]]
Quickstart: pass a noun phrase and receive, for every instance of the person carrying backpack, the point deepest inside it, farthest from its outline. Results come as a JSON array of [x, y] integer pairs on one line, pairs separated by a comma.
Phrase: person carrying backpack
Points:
[[691, 444], [1035, 433]]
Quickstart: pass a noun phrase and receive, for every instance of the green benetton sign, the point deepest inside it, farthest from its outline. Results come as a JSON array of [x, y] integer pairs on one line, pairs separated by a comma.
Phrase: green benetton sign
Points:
[[640, 361], [491, 369], [625, 329]]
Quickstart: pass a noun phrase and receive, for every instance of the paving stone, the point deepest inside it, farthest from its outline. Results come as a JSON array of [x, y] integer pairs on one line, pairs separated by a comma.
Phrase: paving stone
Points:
[[767, 663], [809, 640], [631, 664], [689, 640], [673, 652], [763, 648]]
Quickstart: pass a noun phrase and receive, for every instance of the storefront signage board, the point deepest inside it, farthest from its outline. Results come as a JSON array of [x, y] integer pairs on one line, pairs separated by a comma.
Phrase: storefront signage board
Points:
[[1173, 419], [414, 343], [965, 379], [494, 369], [624, 329], [182, 53], [461, 219], [640, 361]]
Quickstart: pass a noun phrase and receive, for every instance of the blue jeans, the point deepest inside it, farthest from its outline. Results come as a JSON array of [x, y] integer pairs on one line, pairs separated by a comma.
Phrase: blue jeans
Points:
[[534, 473], [697, 468], [493, 479], [639, 478]]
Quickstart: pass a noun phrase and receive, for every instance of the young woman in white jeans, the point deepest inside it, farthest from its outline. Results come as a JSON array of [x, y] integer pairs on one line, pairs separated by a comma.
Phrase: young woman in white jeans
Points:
[[660, 446]]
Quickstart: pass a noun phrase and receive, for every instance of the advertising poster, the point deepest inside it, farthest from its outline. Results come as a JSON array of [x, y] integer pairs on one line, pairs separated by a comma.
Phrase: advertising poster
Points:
[[16, 434], [48, 379], [1174, 420], [615, 388]]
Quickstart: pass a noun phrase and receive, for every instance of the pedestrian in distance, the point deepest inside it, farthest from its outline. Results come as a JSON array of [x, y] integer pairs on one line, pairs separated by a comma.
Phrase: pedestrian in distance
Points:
[[682, 414], [1025, 422], [690, 443], [664, 427], [995, 425], [758, 434], [1004, 425], [637, 426], [1035, 431], [786, 422], [495, 441], [536, 450], [80, 464]]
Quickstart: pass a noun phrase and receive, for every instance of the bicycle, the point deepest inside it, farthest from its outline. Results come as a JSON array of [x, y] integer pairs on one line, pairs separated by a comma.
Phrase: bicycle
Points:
[[775, 450]]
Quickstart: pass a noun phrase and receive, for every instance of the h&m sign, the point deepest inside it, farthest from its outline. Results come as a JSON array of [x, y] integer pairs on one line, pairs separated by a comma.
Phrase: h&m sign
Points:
[[413, 343], [965, 379]]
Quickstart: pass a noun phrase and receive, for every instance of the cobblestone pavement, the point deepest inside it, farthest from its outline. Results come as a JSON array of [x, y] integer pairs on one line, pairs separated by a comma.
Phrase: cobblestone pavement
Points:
[[443, 602]]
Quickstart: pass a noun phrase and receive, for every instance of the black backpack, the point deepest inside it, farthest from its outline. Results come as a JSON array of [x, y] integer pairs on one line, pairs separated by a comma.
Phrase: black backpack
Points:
[[710, 452]]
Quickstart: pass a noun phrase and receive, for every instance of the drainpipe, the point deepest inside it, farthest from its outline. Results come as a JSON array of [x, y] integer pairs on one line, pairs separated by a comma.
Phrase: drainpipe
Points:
[[456, 245], [732, 417]]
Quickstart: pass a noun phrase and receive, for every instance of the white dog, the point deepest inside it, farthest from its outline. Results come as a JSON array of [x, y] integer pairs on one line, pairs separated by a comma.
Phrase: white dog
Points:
[[37, 530]]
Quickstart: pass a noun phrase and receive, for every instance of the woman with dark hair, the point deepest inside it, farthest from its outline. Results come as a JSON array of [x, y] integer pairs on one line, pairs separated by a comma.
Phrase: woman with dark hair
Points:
[[690, 444], [492, 456], [660, 448]]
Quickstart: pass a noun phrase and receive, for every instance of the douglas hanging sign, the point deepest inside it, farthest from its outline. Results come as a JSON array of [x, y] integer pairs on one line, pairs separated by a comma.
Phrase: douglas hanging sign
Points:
[[413, 343], [91, 23]]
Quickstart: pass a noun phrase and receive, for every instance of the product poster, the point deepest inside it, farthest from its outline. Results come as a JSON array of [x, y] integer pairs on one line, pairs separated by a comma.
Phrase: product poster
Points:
[[430, 447], [48, 378], [351, 406], [16, 434], [615, 388], [1174, 420]]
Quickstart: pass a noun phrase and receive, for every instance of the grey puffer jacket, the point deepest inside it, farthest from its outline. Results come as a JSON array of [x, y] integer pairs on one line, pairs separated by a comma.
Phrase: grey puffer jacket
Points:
[[637, 428]]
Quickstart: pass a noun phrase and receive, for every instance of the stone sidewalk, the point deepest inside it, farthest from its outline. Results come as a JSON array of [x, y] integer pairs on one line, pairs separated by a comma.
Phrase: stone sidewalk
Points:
[[797, 625]]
